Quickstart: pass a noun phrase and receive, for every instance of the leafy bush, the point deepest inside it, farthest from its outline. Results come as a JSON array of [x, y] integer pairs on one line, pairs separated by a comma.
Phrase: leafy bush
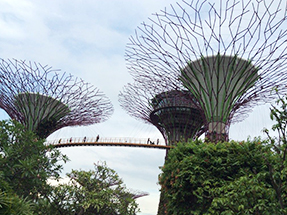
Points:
[[223, 178]]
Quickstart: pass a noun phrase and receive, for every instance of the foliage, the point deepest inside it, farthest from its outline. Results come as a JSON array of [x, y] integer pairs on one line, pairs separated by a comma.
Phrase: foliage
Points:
[[278, 169], [222, 178], [26, 163], [100, 191], [10, 203], [13, 204]]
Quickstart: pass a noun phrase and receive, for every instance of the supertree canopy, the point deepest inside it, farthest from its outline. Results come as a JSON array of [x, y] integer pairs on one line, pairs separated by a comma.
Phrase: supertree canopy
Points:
[[211, 82], [173, 112], [44, 101], [228, 54]]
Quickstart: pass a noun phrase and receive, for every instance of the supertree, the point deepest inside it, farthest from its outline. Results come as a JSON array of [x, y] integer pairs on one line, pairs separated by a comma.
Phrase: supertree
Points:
[[44, 100], [227, 54], [172, 112]]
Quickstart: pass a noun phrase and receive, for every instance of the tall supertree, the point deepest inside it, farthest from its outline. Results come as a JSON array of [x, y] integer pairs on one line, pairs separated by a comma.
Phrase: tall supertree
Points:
[[227, 54], [44, 100], [172, 112]]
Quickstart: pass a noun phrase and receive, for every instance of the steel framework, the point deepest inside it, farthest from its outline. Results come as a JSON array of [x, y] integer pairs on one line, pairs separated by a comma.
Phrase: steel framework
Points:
[[228, 54], [172, 112], [44, 100]]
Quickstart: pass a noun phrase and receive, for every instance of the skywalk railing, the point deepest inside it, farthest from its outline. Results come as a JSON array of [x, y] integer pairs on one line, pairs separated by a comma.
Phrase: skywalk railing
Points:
[[108, 141]]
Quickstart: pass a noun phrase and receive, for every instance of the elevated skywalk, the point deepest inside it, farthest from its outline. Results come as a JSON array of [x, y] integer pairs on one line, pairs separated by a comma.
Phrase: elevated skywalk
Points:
[[109, 141]]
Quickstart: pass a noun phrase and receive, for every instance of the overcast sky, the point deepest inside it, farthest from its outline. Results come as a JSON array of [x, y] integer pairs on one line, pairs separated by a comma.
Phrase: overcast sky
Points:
[[88, 39]]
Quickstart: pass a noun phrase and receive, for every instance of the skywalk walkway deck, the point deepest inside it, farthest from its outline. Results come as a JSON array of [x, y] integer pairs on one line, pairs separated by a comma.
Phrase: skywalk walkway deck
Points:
[[108, 141]]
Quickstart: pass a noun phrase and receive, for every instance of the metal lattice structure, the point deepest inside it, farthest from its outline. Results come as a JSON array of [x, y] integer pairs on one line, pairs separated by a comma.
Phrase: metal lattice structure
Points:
[[44, 100], [173, 113], [228, 54]]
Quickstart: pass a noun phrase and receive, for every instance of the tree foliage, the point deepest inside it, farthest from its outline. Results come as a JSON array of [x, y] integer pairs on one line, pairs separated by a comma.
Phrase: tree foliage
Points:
[[205, 178], [26, 164], [278, 169], [10, 203], [98, 191], [26, 161]]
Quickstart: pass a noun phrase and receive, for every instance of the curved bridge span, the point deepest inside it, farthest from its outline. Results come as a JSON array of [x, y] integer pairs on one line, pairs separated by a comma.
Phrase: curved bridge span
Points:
[[108, 141]]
